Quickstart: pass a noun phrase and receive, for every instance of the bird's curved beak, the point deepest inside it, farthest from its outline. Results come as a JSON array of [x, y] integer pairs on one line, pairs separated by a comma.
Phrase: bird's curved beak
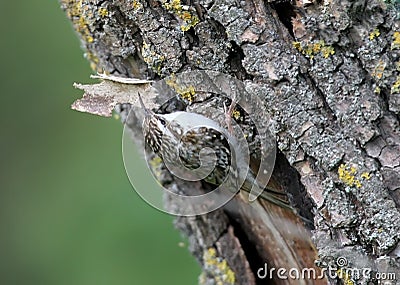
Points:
[[147, 112]]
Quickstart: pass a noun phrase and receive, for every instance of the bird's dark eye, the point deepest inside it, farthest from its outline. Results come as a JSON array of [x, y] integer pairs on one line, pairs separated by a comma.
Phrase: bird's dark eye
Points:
[[163, 122]]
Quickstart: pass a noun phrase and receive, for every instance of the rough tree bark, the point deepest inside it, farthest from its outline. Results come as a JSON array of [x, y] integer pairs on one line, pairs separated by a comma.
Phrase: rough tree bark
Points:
[[328, 72]]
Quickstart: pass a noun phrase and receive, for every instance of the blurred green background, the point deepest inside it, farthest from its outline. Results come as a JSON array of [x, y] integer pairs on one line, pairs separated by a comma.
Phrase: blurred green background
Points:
[[68, 212]]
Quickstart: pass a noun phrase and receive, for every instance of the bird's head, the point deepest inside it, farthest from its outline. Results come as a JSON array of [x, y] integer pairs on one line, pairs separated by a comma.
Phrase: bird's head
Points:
[[159, 130]]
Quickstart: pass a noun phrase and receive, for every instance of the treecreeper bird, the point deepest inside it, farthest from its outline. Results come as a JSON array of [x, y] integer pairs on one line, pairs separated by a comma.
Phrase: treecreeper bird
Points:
[[194, 150]]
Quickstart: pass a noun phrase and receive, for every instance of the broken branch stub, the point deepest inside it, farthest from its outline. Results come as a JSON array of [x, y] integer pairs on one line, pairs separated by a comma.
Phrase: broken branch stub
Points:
[[101, 98]]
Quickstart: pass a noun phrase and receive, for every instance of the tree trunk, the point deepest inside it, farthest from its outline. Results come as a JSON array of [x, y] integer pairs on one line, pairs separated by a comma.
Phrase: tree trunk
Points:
[[328, 74]]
